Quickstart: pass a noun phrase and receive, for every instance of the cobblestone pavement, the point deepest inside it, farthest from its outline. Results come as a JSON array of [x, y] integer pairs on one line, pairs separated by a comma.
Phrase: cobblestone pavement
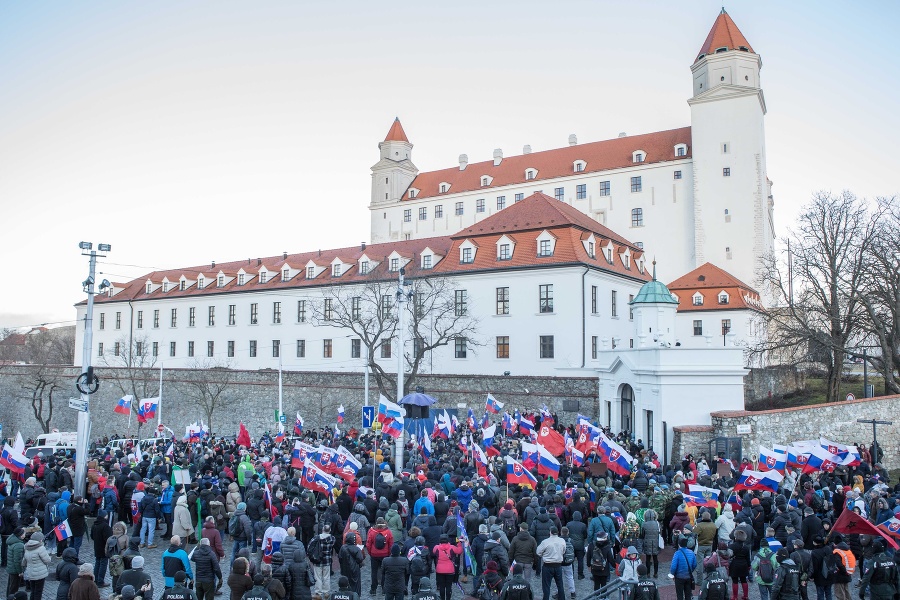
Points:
[[153, 556]]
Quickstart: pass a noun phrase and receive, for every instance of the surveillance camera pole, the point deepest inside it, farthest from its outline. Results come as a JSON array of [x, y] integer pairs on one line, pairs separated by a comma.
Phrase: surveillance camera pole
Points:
[[84, 418]]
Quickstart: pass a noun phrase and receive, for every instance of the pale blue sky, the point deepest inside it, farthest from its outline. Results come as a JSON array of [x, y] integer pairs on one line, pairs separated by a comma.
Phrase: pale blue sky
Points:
[[184, 133]]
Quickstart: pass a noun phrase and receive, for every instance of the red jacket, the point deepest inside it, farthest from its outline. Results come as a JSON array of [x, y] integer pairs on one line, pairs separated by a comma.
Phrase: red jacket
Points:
[[388, 539], [444, 554]]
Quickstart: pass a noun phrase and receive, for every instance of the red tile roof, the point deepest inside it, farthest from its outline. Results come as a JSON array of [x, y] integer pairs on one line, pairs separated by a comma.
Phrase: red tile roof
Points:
[[396, 133], [724, 34], [709, 280], [536, 213], [550, 164]]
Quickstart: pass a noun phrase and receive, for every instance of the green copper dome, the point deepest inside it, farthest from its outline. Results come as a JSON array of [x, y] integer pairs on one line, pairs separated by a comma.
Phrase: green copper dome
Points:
[[654, 292]]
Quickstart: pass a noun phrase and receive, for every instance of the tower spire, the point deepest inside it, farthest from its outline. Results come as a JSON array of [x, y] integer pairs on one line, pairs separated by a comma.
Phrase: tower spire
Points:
[[396, 133], [724, 34]]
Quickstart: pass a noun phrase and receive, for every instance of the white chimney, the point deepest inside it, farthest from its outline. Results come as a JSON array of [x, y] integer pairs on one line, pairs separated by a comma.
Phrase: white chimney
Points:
[[623, 134], [498, 156], [463, 161], [526, 149], [573, 139]]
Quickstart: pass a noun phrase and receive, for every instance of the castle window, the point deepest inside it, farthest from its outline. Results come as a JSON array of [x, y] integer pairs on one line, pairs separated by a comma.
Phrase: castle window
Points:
[[181, 285], [201, 283], [722, 49], [148, 287], [698, 299], [636, 185], [681, 150], [723, 297], [364, 267], [426, 261], [591, 250], [459, 208], [639, 245], [581, 191], [519, 197], [545, 248], [604, 188], [504, 253], [484, 181], [677, 174], [285, 274], [479, 205], [221, 281], [395, 264], [241, 279], [637, 217], [466, 256], [407, 215], [444, 187], [412, 193], [310, 272], [638, 156], [559, 193], [579, 166], [335, 270], [501, 202], [726, 172], [263, 277], [529, 174], [439, 211], [423, 213], [698, 327]]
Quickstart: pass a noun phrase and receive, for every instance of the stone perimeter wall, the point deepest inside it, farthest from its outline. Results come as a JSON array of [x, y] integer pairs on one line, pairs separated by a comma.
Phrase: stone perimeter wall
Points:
[[835, 421], [253, 398]]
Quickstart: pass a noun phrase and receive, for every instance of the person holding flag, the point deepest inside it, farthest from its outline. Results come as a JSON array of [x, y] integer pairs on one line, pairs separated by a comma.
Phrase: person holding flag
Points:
[[340, 415], [298, 425]]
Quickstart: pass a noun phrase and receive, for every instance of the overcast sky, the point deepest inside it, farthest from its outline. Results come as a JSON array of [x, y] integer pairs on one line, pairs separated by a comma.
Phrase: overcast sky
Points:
[[182, 133]]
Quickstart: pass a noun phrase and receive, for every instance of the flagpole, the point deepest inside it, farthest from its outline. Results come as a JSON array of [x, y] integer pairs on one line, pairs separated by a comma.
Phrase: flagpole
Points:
[[159, 404], [280, 397]]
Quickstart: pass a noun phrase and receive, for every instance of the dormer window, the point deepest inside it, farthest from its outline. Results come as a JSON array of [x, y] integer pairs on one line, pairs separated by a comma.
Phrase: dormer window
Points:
[[466, 256], [181, 285], [530, 174], [310, 272], [413, 193], [335, 270], [221, 281], [504, 252], [609, 255], [626, 260], [149, 287], [263, 276], [444, 188], [426, 261], [638, 156], [486, 180], [201, 283], [165, 287], [240, 279], [722, 49], [545, 248], [723, 297], [364, 267], [395, 264], [578, 166], [681, 150], [591, 250], [698, 299]]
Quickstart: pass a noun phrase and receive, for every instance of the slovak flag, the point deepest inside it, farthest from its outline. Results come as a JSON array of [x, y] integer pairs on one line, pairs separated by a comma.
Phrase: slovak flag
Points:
[[545, 413], [314, 478], [301, 453], [298, 425], [388, 410], [13, 457], [279, 437], [346, 465], [853, 458], [517, 473], [480, 460], [272, 539], [755, 480], [547, 463], [63, 531], [820, 459], [463, 445], [891, 527], [426, 447], [529, 454], [326, 458], [703, 496], [797, 456], [774, 459], [575, 455], [147, 409], [485, 422], [487, 435], [442, 427], [492, 405], [584, 443], [470, 421], [526, 426], [340, 417], [123, 406], [393, 427], [454, 422], [508, 425], [615, 456]]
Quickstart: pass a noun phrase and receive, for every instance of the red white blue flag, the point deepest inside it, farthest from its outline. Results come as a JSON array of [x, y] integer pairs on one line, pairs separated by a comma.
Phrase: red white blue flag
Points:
[[517, 473], [492, 405], [767, 481], [123, 406]]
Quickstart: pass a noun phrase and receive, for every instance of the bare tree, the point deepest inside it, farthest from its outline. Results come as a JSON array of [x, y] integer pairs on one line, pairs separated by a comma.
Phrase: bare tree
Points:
[[133, 369], [39, 386], [881, 299], [818, 310], [435, 318], [207, 382], [49, 351]]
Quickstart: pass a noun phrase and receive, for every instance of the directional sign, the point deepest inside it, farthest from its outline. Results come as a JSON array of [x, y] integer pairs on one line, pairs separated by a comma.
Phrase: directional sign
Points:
[[78, 404], [368, 416]]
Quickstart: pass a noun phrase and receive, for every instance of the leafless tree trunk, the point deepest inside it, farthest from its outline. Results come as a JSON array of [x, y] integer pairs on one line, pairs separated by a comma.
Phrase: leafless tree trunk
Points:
[[40, 386], [819, 317], [208, 384], [133, 370]]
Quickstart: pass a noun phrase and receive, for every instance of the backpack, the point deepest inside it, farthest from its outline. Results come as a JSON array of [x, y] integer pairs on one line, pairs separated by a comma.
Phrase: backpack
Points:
[[417, 565], [691, 542], [54, 514], [569, 554], [112, 546], [116, 565], [766, 570], [234, 525], [598, 560], [509, 525], [314, 551], [380, 541], [829, 567]]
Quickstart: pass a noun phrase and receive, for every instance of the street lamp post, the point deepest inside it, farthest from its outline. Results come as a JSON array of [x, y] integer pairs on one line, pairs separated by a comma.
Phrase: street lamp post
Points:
[[402, 297], [87, 382]]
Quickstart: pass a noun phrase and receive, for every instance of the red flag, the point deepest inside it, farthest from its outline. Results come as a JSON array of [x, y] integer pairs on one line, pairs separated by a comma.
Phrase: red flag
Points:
[[850, 522], [550, 439], [243, 437]]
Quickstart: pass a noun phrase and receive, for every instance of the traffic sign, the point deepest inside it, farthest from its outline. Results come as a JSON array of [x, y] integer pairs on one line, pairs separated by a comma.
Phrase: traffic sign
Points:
[[850, 397], [78, 404], [283, 419], [368, 416]]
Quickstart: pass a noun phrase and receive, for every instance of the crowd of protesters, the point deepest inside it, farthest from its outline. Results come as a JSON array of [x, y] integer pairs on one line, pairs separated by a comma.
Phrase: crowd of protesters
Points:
[[237, 520]]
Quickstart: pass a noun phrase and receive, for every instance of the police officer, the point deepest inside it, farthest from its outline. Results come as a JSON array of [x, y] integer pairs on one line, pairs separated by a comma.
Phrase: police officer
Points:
[[516, 588], [180, 591], [425, 592], [645, 588], [714, 586], [882, 577], [344, 592], [787, 578]]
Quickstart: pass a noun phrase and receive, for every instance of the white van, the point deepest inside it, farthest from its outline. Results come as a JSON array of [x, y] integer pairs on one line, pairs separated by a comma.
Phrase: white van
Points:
[[58, 438]]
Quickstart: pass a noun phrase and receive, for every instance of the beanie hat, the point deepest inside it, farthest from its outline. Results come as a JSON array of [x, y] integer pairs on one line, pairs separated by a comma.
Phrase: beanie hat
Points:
[[137, 562], [343, 582], [242, 506], [86, 569], [128, 592]]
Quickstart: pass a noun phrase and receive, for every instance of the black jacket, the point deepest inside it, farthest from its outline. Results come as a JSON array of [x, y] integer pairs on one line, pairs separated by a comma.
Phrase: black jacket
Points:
[[517, 589], [66, 573], [136, 578], [301, 585], [206, 565], [281, 572], [351, 559], [394, 570]]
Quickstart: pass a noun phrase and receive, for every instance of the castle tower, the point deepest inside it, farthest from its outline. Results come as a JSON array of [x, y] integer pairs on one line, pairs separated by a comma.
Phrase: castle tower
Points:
[[654, 310], [393, 173], [733, 218]]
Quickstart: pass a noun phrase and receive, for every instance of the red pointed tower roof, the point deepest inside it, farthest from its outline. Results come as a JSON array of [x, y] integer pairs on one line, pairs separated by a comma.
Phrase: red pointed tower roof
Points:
[[724, 34], [396, 134]]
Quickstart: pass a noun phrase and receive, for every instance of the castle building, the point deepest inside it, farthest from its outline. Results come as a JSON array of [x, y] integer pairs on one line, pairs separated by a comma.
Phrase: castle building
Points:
[[695, 194]]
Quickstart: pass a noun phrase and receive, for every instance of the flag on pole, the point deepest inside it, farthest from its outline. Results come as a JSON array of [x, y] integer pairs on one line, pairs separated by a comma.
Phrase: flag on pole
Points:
[[508, 424], [63, 531], [703, 496], [470, 421], [393, 428], [454, 423], [797, 456], [426, 446], [301, 453], [526, 426], [485, 421], [890, 527], [345, 464], [820, 459], [850, 522], [340, 417], [492, 405], [298, 425], [13, 457], [123, 406], [755, 480], [552, 440], [774, 459], [487, 436], [516, 473], [442, 426], [480, 460], [547, 463], [389, 410], [615, 456], [147, 409], [326, 458], [529, 454], [317, 480], [279, 437]]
